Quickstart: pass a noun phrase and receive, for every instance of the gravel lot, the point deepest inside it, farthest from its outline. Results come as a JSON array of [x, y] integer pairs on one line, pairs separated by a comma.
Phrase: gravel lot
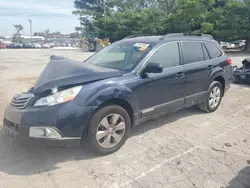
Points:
[[186, 149]]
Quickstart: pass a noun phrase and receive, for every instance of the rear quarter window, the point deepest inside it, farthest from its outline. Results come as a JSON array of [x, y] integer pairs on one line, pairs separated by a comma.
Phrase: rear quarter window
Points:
[[213, 50], [192, 52]]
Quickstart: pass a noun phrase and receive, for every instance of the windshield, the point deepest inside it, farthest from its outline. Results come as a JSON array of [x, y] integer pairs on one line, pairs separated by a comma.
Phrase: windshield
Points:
[[120, 56]]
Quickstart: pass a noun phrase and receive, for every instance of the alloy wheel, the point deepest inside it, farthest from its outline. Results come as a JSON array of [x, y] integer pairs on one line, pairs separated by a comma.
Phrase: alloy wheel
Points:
[[214, 98], [110, 131]]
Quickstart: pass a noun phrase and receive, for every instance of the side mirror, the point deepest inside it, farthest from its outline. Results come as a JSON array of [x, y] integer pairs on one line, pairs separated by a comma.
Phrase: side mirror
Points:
[[153, 68]]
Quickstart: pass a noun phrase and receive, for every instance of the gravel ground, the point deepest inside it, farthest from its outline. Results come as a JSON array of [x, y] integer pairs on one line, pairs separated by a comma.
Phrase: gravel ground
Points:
[[186, 149]]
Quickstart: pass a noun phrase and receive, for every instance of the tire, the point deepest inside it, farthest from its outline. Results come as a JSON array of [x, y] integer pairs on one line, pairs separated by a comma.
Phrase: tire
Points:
[[109, 113], [242, 48], [206, 105], [85, 47]]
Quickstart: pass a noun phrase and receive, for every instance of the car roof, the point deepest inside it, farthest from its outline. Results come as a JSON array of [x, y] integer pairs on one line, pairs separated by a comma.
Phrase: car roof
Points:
[[143, 39], [168, 38]]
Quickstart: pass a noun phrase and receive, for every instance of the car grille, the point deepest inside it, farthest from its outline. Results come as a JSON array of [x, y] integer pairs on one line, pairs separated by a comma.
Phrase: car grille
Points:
[[21, 100]]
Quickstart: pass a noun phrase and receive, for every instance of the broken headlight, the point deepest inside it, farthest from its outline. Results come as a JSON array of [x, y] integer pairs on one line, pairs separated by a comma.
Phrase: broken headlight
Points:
[[59, 97]]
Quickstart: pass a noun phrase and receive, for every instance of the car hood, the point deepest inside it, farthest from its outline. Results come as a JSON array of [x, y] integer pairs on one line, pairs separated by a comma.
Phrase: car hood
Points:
[[61, 72]]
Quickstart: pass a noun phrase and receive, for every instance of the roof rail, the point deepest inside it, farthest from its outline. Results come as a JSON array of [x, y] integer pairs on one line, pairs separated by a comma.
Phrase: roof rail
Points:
[[182, 35], [137, 35]]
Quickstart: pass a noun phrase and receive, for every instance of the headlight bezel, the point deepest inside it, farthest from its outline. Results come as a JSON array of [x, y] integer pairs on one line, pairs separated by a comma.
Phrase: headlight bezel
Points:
[[59, 97]]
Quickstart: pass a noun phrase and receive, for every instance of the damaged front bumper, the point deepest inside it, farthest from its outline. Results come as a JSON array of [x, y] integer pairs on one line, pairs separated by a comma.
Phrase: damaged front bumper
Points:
[[58, 125], [22, 134]]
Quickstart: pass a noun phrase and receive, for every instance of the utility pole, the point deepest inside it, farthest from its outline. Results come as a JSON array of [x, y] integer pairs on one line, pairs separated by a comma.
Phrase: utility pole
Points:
[[105, 18], [30, 28]]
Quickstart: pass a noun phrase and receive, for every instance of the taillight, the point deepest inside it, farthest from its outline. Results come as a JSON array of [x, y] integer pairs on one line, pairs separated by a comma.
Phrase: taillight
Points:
[[229, 61]]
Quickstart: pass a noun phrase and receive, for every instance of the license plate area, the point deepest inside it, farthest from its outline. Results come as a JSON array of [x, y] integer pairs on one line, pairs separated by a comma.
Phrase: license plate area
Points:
[[11, 132]]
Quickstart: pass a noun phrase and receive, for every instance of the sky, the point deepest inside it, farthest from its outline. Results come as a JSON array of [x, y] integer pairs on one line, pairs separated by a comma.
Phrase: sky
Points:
[[53, 14]]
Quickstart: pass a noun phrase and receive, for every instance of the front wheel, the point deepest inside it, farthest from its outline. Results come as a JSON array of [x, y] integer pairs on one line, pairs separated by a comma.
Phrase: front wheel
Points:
[[108, 130], [213, 98]]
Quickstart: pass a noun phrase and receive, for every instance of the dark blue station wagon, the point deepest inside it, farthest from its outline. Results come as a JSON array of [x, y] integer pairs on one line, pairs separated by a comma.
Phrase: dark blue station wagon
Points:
[[98, 101]]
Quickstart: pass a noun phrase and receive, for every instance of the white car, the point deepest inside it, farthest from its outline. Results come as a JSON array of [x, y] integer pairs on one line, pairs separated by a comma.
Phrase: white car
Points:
[[36, 45], [45, 46], [240, 44], [227, 45], [52, 44]]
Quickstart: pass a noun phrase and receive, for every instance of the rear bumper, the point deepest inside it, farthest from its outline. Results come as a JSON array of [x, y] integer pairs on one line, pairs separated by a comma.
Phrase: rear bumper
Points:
[[229, 81], [227, 87]]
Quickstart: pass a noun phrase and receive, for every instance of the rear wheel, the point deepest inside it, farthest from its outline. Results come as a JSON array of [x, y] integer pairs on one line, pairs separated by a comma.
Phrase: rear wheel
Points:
[[213, 98], [108, 130]]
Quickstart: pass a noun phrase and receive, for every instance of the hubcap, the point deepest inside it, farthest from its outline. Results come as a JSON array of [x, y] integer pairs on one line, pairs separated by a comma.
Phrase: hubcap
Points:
[[214, 97], [110, 131]]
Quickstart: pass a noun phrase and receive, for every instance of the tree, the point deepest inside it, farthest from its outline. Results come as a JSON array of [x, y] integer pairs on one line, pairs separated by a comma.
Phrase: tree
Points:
[[88, 10], [74, 35], [93, 20], [16, 37], [237, 24], [18, 28], [224, 19]]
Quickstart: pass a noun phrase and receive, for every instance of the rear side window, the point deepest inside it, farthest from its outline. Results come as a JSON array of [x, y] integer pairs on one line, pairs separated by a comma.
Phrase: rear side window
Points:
[[213, 50], [192, 52]]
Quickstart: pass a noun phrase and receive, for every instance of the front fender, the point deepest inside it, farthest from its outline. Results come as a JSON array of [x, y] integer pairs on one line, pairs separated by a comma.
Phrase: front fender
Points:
[[97, 93], [93, 95], [111, 92]]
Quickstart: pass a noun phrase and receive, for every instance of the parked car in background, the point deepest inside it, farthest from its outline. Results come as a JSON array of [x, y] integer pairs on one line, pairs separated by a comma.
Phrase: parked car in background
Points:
[[37, 45], [45, 45], [227, 45], [15, 45], [52, 44], [2, 45], [29, 45], [11, 45], [240, 44]]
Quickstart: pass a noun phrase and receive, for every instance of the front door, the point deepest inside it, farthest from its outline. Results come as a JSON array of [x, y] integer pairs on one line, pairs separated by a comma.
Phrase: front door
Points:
[[159, 92]]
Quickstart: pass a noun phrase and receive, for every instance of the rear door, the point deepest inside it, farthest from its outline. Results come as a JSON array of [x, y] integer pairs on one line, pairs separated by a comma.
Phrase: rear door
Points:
[[198, 67]]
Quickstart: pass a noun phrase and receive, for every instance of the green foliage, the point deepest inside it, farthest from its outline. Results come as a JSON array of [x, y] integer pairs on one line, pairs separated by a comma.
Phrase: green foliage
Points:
[[16, 38], [224, 19], [74, 35]]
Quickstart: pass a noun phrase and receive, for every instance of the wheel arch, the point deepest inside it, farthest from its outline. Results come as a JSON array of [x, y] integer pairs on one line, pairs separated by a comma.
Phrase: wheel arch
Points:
[[113, 101], [119, 102], [222, 81], [218, 74]]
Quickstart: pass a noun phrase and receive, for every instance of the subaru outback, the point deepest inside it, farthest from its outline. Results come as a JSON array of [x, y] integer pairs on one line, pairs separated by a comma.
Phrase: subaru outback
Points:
[[97, 102]]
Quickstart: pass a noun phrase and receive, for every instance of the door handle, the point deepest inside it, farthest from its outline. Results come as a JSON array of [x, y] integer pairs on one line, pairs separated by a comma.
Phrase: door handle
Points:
[[180, 75], [210, 67]]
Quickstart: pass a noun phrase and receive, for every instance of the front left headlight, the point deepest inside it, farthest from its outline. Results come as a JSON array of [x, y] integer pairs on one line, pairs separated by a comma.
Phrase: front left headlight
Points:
[[59, 97]]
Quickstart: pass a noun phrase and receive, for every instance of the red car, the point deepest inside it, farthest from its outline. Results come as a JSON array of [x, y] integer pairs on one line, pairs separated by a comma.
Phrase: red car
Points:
[[2, 45]]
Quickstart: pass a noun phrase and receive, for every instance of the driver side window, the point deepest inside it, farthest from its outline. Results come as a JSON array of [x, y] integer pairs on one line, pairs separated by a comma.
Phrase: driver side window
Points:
[[167, 55]]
